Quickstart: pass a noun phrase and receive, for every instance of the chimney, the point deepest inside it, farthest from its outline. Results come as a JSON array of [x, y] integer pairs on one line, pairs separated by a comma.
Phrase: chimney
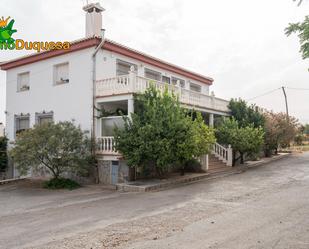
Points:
[[93, 19]]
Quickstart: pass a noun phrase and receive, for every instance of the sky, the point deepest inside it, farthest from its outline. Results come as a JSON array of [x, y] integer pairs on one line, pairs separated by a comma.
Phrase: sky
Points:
[[239, 43]]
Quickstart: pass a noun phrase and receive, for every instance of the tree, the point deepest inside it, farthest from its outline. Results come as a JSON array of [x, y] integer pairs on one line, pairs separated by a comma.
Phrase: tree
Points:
[[3, 153], [302, 29], [246, 115], [60, 148], [244, 140], [279, 131], [306, 129], [160, 134]]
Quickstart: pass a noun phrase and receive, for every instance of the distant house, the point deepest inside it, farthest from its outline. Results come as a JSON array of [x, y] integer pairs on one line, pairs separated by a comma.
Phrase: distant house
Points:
[[60, 85], [2, 130]]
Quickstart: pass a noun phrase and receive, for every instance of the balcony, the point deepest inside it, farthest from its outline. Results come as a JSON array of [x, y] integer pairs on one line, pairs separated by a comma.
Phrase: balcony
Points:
[[132, 83]]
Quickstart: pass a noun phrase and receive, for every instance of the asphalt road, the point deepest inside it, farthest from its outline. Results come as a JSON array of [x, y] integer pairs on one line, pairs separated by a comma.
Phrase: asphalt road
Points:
[[264, 207]]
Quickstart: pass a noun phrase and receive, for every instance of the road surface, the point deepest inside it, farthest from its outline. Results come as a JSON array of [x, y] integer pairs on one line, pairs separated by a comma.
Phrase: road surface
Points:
[[264, 207]]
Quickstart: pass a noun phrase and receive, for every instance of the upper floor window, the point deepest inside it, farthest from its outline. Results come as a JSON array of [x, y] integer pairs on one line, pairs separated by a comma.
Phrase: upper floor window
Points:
[[123, 67], [61, 73], [44, 117], [23, 80], [166, 79], [195, 87], [151, 74], [22, 123], [175, 81]]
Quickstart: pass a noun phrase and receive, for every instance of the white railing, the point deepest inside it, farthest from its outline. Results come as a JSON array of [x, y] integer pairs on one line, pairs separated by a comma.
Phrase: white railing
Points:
[[132, 83], [224, 154], [106, 145]]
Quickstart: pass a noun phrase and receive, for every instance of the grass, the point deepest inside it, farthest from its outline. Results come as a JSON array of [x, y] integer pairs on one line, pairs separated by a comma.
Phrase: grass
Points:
[[61, 183]]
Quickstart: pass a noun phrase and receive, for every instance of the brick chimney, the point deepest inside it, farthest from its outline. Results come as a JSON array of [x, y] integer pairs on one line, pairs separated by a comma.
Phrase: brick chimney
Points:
[[93, 19]]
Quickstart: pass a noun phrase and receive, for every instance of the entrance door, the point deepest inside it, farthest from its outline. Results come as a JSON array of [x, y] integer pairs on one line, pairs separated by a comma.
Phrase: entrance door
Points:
[[114, 173]]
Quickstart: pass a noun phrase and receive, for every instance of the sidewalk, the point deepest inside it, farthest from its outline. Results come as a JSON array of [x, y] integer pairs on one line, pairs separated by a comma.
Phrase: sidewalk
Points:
[[177, 180]]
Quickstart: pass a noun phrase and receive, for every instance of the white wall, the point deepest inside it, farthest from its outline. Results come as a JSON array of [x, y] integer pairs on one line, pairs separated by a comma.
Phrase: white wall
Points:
[[68, 101]]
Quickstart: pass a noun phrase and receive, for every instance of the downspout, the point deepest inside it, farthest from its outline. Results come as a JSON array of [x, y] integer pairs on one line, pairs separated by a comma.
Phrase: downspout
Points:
[[94, 77]]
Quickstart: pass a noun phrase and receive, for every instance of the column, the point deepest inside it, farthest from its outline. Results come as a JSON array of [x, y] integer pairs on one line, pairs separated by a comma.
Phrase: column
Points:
[[211, 120], [130, 106]]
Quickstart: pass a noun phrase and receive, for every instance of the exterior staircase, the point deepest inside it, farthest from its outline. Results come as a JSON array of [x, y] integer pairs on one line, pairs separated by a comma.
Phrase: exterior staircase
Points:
[[220, 159], [215, 165]]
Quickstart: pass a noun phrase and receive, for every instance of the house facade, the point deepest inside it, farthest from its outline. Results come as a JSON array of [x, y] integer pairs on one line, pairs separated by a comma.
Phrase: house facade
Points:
[[96, 73]]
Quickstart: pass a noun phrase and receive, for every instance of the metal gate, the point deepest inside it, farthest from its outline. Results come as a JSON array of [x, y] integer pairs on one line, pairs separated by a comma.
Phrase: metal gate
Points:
[[114, 172]]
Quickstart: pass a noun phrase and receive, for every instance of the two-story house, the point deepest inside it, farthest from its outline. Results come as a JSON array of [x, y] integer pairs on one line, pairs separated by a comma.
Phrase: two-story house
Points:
[[96, 73]]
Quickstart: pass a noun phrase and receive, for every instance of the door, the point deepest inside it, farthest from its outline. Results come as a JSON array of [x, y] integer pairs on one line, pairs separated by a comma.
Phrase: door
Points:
[[114, 173]]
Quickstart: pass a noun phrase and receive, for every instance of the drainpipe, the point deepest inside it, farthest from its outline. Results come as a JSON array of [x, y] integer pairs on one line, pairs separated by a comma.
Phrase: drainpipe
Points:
[[94, 77]]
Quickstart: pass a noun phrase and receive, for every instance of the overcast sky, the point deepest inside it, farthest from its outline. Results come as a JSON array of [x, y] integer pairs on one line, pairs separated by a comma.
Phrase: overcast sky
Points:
[[239, 43]]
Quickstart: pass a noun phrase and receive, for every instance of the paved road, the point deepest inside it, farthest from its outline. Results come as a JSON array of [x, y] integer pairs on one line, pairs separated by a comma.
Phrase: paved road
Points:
[[265, 207]]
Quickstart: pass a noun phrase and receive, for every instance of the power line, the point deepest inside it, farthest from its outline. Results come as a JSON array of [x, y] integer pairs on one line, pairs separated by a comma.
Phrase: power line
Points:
[[299, 89], [266, 93]]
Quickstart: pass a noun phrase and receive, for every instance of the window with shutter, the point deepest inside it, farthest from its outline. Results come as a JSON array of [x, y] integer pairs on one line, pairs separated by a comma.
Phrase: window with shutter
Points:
[[123, 67], [21, 123], [150, 74], [42, 118], [166, 79], [61, 73], [23, 82], [195, 87], [181, 82]]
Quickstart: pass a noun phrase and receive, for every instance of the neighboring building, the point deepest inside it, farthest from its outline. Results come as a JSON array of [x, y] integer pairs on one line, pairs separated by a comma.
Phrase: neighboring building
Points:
[[2, 130], [63, 85]]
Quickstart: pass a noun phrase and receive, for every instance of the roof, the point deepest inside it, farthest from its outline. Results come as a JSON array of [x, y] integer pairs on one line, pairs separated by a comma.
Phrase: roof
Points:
[[110, 46]]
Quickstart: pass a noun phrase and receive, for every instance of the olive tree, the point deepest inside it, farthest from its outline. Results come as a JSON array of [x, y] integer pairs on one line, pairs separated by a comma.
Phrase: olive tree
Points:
[[60, 148]]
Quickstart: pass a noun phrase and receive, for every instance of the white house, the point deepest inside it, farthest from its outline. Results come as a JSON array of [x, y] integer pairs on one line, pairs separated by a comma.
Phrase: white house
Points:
[[96, 72]]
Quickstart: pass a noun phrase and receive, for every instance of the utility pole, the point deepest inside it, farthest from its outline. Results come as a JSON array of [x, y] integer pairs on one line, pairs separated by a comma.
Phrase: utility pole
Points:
[[286, 103]]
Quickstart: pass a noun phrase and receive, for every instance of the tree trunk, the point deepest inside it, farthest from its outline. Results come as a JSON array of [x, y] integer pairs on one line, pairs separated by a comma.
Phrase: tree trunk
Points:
[[241, 158]]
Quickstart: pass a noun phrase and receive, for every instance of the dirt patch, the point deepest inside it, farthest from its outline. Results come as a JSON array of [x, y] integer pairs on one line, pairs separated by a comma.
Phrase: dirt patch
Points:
[[158, 226]]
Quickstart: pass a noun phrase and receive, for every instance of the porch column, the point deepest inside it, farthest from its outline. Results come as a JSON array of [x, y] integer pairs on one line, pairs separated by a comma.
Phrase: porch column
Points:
[[211, 120], [130, 106]]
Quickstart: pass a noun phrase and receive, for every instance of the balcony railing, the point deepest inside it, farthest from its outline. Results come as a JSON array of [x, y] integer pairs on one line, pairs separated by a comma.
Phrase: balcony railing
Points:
[[136, 84], [106, 145]]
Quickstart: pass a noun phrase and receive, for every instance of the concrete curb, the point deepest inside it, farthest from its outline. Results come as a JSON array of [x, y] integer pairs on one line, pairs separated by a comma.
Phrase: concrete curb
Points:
[[124, 187], [2, 182], [265, 161]]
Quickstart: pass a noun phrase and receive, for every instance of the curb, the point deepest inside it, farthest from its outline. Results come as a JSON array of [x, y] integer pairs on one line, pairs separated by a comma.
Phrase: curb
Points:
[[7, 181], [189, 180]]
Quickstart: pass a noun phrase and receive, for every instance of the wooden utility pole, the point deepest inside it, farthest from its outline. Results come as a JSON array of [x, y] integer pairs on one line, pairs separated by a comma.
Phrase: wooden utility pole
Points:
[[286, 103]]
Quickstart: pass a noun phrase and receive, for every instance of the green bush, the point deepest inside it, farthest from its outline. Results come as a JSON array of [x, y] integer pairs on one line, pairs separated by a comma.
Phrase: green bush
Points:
[[193, 165], [61, 183], [60, 147]]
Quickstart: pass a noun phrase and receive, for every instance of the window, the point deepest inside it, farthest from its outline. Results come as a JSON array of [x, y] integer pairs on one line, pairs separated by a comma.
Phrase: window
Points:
[[150, 74], [123, 67], [22, 123], [166, 79], [23, 82], [195, 87], [43, 118], [181, 82], [61, 73]]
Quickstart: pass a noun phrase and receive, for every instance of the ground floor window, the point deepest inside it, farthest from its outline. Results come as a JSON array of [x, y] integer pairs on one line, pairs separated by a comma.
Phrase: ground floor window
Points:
[[44, 117], [22, 123]]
